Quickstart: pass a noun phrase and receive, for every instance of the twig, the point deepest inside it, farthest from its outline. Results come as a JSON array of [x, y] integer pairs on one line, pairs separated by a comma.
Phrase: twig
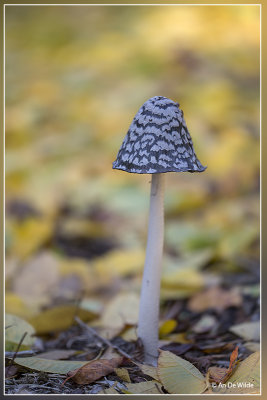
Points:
[[24, 353], [103, 340], [11, 361]]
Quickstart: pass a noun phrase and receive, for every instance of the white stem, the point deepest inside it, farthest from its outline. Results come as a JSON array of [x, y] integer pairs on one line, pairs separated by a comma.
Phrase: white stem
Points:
[[149, 304]]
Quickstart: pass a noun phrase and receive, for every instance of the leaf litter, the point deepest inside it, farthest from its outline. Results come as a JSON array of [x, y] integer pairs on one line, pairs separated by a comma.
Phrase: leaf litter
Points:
[[75, 231]]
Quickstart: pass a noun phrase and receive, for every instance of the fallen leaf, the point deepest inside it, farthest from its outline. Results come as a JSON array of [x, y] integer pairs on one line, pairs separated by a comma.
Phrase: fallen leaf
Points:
[[204, 324], [178, 338], [177, 348], [129, 334], [59, 318], [110, 390], [167, 327], [121, 311], [11, 371], [149, 370], [11, 266], [52, 366], [252, 346], [220, 375], [179, 376], [148, 387], [245, 379], [233, 358], [37, 280], [184, 279], [119, 263], [188, 237], [215, 298], [16, 306], [217, 374], [29, 235], [216, 347], [15, 329], [248, 370], [92, 305], [247, 330], [94, 370], [123, 374], [82, 270], [57, 354], [234, 242]]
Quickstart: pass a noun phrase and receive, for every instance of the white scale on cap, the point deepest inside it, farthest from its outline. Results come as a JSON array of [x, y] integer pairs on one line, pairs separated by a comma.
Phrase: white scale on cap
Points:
[[158, 141]]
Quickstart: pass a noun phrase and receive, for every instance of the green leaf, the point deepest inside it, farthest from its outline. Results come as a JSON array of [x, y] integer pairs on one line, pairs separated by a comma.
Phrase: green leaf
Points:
[[236, 241], [15, 329], [52, 366], [178, 375]]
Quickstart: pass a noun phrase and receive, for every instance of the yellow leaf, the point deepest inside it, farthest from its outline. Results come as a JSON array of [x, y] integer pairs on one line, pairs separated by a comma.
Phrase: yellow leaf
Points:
[[123, 374], [37, 280], [245, 379], [129, 334], [178, 337], [59, 318], [15, 328], [120, 263], [52, 366], [148, 387], [171, 294], [28, 235], [83, 270], [121, 311], [179, 376], [184, 279], [110, 390], [149, 370], [237, 240], [167, 327], [15, 305]]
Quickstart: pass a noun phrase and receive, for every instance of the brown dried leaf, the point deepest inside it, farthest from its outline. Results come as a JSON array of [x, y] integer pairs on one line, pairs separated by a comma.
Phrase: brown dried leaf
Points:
[[233, 358], [220, 375], [216, 298], [11, 371], [94, 370], [217, 374]]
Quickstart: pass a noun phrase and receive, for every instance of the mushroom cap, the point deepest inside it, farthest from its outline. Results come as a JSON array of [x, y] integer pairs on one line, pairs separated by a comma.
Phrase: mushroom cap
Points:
[[158, 141]]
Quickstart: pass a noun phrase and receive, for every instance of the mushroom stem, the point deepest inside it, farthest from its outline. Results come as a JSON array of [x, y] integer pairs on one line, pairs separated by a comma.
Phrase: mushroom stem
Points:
[[150, 292]]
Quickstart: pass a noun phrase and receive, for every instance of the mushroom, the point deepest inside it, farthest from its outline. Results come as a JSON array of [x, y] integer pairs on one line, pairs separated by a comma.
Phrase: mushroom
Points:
[[157, 141]]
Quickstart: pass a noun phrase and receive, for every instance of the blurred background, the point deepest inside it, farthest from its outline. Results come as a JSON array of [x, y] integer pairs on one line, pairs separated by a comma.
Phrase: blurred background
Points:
[[75, 228]]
